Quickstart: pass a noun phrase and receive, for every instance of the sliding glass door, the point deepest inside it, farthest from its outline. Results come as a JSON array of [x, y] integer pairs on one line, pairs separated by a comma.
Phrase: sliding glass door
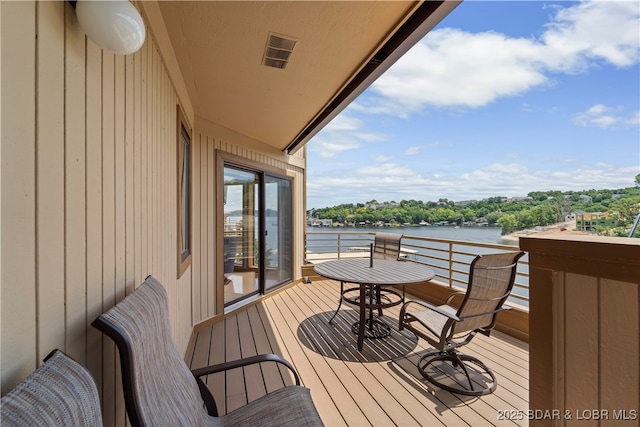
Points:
[[278, 231], [257, 232]]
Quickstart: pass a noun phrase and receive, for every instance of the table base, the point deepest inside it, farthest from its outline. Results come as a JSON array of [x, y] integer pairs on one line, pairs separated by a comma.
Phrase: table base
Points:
[[374, 328]]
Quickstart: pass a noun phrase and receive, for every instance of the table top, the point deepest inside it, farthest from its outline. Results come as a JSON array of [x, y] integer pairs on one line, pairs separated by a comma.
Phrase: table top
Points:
[[383, 272]]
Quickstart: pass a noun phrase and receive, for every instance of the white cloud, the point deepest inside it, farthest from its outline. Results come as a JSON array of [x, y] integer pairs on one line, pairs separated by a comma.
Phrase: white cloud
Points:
[[388, 172], [634, 119], [605, 117], [455, 68], [382, 159], [342, 134], [596, 30], [343, 122], [327, 149], [412, 151]]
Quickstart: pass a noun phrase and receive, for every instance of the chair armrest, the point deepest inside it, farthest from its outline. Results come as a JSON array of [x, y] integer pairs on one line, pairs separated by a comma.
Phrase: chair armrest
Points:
[[484, 313], [221, 367], [209, 401]]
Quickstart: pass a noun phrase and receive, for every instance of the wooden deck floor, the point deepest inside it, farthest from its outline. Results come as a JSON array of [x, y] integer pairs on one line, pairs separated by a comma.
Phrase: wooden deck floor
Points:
[[379, 386]]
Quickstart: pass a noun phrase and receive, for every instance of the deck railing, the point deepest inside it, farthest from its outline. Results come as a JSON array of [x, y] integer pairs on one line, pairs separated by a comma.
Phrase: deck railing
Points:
[[450, 259]]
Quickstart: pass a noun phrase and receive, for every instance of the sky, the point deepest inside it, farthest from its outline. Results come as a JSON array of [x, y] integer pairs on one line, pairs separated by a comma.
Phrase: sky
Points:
[[500, 99]]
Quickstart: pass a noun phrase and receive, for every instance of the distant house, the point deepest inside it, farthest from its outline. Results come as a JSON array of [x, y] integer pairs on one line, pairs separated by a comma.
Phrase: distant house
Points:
[[590, 220], [585, 198]]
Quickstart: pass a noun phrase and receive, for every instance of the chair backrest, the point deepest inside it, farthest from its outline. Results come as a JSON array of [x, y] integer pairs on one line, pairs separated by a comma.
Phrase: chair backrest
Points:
[[386, 246], [159, 388], [61, 392], [491, 279]]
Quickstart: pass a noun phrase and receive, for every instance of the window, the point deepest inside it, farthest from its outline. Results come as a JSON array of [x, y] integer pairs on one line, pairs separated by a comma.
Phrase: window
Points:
[[184, 194]]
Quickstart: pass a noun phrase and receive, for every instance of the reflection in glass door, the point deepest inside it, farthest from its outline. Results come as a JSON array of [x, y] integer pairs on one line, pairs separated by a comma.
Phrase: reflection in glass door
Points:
[[241, 234], [278, 233], [258, 239]]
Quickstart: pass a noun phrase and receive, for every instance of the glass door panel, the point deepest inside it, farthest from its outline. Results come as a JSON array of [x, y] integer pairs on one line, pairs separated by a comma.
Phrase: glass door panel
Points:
[[241, 234], [278, 231]]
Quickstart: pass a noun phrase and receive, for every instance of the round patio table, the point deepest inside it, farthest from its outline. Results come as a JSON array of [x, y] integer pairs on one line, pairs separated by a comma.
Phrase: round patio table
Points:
[[370, 275]]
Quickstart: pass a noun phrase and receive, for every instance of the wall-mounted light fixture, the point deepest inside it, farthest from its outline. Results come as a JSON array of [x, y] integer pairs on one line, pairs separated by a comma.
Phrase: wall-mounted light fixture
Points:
[[113, 25]]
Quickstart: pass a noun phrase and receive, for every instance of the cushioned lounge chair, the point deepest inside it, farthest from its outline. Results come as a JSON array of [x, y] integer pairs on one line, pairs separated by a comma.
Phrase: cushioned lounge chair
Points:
[[159, 388], [61, 392], [448, 327]]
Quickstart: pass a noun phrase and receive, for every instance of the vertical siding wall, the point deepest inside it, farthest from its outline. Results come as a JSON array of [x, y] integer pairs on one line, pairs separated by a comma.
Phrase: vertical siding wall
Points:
[[88, 192], [584, 331], [208, 140]]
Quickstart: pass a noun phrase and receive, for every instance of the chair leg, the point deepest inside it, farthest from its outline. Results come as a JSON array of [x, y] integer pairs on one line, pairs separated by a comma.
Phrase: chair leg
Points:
[[339, 303], [457, 362]]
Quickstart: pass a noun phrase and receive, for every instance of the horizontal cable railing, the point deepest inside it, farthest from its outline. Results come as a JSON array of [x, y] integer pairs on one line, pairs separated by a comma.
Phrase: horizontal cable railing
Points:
[[450, 259]]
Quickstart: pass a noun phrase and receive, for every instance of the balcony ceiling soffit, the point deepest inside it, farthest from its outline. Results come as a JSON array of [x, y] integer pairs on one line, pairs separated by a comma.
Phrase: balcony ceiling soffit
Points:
[[220, 46]]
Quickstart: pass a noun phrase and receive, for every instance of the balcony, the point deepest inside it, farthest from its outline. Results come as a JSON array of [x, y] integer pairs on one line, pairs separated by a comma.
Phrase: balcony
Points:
[[378, 386], [576, 359]]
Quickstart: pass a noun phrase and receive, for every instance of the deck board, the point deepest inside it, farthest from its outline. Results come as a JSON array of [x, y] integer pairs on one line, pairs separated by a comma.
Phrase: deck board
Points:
[[378, 386]]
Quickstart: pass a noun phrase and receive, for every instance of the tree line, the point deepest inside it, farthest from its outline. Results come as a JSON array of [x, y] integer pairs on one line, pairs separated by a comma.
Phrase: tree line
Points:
[[539, 208]]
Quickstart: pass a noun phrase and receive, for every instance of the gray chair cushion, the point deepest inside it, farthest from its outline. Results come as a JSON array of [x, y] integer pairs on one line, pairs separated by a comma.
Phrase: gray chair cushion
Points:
[[288, 406], [61, 392]]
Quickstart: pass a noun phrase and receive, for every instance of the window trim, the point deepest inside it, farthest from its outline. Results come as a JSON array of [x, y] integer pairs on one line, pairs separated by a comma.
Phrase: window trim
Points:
[[184, 207]]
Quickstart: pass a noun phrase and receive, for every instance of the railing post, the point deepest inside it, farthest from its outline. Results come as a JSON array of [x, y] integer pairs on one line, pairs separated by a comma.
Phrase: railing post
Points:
[[305, 246], [450, 265], [339, 244]]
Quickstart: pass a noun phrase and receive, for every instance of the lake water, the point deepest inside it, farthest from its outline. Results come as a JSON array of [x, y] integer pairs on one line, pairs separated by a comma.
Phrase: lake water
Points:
[[491, 235]]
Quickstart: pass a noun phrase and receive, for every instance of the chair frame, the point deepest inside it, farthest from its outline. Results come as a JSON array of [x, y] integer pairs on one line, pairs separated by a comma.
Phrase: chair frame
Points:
[[442, 338], [126, 351], [126, 356]]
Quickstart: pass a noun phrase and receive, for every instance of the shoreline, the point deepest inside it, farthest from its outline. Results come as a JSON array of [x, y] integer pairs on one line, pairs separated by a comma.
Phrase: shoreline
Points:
[[557, 228]]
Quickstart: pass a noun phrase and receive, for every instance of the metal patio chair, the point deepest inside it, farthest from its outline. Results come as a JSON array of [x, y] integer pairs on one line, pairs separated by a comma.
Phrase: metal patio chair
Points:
[[447, 327], [160, 389]]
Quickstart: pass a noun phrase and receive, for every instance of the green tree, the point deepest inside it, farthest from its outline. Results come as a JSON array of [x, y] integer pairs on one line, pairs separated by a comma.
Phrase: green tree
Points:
[[493, 217], [626, 208], [525, 219], [508, 222], [538, 195]]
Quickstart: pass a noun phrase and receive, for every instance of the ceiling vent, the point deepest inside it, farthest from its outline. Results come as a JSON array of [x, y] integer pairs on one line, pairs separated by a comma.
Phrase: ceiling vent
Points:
[[278, 51]]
